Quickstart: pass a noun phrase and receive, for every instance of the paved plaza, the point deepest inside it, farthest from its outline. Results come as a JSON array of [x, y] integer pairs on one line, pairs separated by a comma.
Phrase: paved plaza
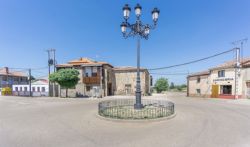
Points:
[[61, 122]]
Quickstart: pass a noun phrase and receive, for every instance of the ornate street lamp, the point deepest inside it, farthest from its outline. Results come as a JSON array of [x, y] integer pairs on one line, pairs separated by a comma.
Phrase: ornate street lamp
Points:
[[140, 31]]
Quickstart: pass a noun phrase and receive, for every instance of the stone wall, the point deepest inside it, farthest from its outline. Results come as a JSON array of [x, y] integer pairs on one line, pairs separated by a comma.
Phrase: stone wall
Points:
[[125, 83], [204, 85]]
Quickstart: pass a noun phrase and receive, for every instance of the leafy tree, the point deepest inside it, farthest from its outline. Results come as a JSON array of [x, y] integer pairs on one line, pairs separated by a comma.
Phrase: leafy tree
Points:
[[161, 85], [66, 78], [181, 87], [171, 85]]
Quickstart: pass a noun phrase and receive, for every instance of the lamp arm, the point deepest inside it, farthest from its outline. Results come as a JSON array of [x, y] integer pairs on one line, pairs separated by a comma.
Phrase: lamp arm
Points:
[[152, 27], [129, 34]]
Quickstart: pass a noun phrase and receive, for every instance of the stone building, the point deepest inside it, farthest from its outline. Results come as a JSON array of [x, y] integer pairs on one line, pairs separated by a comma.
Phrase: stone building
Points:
[[221, 81], [95, 78], [125, 81], [99, 79]]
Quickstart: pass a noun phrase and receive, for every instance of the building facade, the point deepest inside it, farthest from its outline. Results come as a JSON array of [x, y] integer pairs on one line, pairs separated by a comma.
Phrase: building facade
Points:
[[95, 78], [100, 79], [125, 81], [9, 78], [222, 81], [39, 87]]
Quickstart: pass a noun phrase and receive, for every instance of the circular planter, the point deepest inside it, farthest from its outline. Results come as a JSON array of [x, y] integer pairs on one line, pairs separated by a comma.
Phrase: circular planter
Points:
[[123, 109]]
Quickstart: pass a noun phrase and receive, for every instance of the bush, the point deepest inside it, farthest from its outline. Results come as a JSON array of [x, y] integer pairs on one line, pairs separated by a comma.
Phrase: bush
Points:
[[6, 91]]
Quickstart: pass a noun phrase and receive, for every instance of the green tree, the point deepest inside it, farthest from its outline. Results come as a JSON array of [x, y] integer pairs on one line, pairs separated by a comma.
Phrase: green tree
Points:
[[171, 85], [181, 87], [66, 78], [161, 85]]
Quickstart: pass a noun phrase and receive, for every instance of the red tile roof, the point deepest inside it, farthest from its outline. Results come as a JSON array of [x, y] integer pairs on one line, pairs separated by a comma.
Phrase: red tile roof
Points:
[[5, 71], [229, 64], [83, 61]]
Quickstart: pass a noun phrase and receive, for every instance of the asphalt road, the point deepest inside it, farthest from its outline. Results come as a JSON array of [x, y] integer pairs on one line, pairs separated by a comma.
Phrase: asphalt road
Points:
[[60, 122]]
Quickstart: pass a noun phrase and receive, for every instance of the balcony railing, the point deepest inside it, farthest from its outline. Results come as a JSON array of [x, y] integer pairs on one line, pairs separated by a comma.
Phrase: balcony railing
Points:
[[91, 80]]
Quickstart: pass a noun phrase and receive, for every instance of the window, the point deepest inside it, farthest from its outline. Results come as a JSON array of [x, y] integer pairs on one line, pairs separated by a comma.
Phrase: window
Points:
[[38, 89], [198, 79], [15, 79], [43, 89], [248, 90], [128, 89], [16, 88], [88, 72], [151, 81], [88, 88], [226, 89], [94, 72], [4, 78], [198, 91], [248, 84], [23, 79], [221, 73], [21, 88], [25, 89], [33, 89]]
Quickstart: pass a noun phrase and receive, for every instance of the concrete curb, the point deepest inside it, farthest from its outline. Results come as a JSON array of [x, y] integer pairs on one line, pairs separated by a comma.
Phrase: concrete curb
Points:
[[136, 121]]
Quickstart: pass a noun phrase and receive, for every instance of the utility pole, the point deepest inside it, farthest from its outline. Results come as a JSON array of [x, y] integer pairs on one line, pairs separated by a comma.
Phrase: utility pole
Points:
[[188, 84], [239, 59], [54, 64], [237, 73], [30, 93], [241, 42], [54, 58], [51, 61]]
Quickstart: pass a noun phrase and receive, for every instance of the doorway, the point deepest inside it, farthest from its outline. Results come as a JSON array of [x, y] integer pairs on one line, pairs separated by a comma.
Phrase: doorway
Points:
[[215, 91], [128, 89], [248, 89], [109, 89]]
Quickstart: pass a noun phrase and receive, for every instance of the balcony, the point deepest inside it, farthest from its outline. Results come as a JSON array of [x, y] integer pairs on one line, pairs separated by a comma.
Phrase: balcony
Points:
[[91, 80]]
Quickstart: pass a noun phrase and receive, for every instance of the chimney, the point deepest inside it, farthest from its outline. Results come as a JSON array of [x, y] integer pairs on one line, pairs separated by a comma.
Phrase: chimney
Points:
[[6, 70]]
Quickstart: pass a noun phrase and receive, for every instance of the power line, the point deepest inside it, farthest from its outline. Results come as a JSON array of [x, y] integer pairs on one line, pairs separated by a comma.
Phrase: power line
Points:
[[194, 61], [41, 76], [18, 68], [169, 74], [40, 68]]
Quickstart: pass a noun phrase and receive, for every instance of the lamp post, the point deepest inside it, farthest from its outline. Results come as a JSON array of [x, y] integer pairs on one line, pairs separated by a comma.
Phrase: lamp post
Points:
[[139, 30]]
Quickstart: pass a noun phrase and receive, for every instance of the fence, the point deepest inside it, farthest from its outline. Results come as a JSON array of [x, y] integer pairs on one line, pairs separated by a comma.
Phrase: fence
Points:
[[124, 109]]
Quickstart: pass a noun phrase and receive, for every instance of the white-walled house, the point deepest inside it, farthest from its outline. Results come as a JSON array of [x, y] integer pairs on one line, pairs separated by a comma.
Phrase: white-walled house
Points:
[[38, 88], [221, 81]]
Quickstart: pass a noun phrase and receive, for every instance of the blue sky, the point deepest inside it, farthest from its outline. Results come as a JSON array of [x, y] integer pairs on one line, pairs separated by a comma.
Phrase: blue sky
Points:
[[186, 30]]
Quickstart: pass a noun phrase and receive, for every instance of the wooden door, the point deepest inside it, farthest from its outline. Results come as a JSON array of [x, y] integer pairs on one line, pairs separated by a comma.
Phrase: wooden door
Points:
[[215, 91]]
